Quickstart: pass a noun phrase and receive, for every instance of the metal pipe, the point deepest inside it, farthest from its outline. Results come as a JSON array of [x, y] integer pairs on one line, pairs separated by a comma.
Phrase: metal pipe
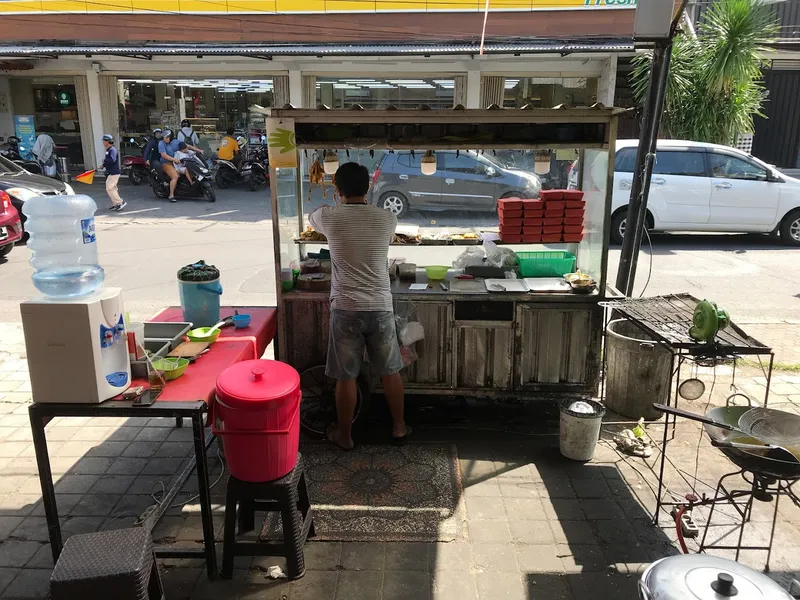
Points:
[[645, 156]]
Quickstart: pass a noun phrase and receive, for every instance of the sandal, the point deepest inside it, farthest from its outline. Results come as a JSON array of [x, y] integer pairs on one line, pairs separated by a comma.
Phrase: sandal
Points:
[[403, 439], [332, 435]]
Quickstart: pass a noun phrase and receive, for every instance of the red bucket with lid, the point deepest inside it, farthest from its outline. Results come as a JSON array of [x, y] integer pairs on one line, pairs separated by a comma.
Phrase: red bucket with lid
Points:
[[256, 413]]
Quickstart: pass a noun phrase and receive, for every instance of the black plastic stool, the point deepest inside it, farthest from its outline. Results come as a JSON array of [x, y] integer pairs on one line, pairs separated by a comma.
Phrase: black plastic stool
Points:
[[108, 564], [289, 495]]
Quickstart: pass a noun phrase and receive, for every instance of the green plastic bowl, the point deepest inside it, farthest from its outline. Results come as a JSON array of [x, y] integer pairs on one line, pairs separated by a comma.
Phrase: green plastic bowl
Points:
[[436, 272], [196, 335], [171, 367]]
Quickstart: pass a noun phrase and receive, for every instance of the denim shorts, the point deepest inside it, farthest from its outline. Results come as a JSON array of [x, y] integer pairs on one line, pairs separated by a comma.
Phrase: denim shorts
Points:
[[351, 332]]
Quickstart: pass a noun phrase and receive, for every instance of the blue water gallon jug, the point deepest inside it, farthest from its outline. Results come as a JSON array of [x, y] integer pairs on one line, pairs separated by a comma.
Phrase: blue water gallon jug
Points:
[[63, 245], [200, 292]]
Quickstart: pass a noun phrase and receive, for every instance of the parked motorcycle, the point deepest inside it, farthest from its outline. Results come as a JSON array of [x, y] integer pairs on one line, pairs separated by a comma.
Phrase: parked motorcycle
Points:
[[199, 188], [11, 150], [228, 175], [135, 167], [259, 170]]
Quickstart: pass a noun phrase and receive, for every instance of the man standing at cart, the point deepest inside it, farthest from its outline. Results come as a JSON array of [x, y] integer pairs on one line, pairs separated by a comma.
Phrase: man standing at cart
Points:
[[362, 316]]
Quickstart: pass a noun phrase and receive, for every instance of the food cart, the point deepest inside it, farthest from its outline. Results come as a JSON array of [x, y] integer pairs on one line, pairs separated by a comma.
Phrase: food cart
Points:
[[477, 343]]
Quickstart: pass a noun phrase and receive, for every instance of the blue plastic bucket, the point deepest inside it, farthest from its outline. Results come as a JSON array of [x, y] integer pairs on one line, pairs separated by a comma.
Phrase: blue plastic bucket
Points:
[[200, 301]]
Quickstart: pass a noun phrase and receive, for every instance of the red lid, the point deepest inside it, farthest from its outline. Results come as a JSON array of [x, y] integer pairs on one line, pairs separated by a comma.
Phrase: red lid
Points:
[[252, 382]]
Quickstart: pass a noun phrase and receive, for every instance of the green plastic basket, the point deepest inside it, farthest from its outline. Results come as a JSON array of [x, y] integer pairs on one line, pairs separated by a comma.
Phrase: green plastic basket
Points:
[[547, 263]]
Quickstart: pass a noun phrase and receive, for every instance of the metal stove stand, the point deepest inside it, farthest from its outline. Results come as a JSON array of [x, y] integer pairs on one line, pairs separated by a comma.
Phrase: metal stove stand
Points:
[[760, 487], [667, 319]]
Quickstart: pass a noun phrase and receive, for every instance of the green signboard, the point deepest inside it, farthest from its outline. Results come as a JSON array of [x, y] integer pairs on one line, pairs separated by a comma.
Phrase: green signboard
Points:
[[64, 99]]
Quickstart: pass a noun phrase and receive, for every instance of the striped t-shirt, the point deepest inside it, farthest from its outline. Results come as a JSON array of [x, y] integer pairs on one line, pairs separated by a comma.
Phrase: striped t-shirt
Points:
[[358, 237]]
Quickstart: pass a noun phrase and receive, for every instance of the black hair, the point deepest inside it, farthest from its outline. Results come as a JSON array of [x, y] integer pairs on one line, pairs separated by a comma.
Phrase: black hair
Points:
[[230, 130], [352, 180], [182, 146]]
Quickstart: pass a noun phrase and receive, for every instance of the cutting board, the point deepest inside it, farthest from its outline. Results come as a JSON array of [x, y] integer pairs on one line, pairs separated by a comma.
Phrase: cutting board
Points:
[[189, 349]]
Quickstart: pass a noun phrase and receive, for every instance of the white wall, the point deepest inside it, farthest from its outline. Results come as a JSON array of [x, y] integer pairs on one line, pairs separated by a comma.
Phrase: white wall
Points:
[[7, 113]]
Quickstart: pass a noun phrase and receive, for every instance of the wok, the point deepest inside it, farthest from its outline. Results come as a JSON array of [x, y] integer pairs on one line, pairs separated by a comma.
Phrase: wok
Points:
[[753, 460]]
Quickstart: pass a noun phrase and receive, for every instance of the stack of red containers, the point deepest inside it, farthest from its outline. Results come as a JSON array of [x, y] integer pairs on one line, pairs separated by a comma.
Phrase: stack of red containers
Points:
[[510, 212], [556, 216], [574, 208]]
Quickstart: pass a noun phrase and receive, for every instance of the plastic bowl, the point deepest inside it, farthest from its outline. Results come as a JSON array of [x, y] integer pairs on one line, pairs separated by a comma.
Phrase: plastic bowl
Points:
[[171, 367], [241, 321], [436, 272], [197, 335]]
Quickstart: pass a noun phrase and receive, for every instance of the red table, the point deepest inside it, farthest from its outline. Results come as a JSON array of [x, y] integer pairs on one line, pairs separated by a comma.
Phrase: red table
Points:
[[186, 397], [232, 346]]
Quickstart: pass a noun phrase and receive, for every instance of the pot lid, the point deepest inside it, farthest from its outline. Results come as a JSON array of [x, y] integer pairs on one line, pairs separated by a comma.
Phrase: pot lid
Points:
[[704, 577], [252, 382]]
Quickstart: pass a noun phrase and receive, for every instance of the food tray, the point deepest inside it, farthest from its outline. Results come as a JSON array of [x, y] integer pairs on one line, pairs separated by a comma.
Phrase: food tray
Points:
[[171, 333], [547, 284], [432, 242], [467, 242], [512, 286]]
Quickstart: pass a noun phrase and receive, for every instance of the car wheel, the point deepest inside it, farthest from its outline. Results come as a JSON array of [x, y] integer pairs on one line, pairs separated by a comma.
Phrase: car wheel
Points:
[[790, 229], [618, 223], [395, 203], [135, 177], [4, 251]]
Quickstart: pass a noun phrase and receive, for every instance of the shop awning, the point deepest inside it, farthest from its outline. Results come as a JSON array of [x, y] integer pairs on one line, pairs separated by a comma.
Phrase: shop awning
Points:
[[321, 50]]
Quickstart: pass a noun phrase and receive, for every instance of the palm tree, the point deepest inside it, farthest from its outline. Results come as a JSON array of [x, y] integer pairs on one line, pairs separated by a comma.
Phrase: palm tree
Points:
[[714, 87]]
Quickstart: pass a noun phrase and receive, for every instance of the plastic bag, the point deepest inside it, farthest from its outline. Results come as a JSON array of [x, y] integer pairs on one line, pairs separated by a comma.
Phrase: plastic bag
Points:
[[409, 331], [471, 257], [497, 256]]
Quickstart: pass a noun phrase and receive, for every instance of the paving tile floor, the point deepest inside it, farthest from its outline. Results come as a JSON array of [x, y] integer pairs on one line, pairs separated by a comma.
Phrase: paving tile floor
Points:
[[539, 526]]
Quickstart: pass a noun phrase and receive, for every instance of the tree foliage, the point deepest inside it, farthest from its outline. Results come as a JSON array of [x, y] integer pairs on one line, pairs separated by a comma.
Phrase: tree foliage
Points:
[[714, 86]]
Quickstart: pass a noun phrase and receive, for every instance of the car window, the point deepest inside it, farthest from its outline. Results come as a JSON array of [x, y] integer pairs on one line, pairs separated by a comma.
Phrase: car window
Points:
[[461, 163], [6, 166], [624, 160], [733, 167], [405, 159], [679, 162]]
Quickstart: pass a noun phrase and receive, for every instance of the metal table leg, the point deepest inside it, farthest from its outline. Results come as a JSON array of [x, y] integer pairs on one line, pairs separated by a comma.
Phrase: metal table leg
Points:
[[46, 481], [205, 494]]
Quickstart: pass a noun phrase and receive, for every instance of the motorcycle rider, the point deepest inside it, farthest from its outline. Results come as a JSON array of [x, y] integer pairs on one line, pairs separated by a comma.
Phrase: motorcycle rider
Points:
[[150, 152], [229, 149], [187, 134], [167, 148]]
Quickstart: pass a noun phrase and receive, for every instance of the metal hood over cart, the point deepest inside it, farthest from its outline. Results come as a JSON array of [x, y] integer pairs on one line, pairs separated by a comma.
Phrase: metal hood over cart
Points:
[[523, 345]]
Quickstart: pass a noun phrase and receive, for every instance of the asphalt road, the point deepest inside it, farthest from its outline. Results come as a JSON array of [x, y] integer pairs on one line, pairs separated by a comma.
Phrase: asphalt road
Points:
[[142, 248]]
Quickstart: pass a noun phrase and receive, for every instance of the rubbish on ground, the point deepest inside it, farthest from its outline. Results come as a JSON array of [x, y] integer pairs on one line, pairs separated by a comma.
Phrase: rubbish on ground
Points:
[[627, 442], [275, 572], [581, 407]]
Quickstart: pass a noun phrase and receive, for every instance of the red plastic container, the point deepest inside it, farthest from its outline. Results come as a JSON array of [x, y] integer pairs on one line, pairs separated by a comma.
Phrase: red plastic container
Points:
[[548, 229], [516, 222], [533, 214], [573, 238], [509, 213], [551, 238], [552, 206], [573, 213], [509, 204], [552, 221], [529, 204], [531, 229], [573, 195], [548, 195], [573, 228], [553, 214], [573, 221], [531, 238], [509, 238], [572, 204], [256, 413]]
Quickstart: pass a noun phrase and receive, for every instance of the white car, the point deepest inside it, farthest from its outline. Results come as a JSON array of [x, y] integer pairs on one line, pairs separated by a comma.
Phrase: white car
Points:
[[706, 187]]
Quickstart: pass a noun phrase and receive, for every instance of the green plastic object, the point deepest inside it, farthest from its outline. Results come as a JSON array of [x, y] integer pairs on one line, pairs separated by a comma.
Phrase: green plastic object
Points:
[[436, 272], [546, 263], [172, 367], [708, 320]]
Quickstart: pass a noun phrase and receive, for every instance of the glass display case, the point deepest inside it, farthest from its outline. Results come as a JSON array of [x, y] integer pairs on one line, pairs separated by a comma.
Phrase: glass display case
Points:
[[529, 344]]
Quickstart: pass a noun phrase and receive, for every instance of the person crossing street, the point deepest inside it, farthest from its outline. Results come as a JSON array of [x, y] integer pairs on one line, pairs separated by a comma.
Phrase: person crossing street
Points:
[[112, 169]]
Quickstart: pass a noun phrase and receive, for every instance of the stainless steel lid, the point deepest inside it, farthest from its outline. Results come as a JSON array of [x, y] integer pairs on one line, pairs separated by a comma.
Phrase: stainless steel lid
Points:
[[703, 577]]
